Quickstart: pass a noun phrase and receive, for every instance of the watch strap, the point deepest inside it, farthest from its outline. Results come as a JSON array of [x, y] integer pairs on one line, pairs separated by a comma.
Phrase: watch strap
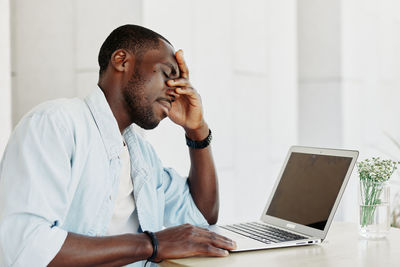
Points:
[[199, 144]]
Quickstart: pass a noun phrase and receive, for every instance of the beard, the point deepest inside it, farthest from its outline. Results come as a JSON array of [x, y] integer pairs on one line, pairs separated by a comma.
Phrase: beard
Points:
[[137, 103]]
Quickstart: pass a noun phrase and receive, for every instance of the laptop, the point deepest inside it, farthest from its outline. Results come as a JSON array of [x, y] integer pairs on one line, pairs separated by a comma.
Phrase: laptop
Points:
[[302, 204]]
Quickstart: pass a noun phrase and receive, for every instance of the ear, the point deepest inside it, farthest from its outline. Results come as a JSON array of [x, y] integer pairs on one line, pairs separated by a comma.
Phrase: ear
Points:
[[121, 60]]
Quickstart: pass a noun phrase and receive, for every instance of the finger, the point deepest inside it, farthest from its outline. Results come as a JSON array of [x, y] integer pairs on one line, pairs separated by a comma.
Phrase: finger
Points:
[[190, 93], [171, 92], [222, 241], [182, 64], [211, 237], [216, 239], [186, 91], [181, 82], [214, 251]]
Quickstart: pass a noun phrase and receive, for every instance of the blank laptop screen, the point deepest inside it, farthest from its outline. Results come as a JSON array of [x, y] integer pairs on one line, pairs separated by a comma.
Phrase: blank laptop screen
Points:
[[308, 188]]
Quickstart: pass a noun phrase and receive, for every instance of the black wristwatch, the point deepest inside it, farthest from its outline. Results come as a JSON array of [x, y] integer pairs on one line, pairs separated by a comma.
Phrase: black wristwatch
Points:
[[199, 144]]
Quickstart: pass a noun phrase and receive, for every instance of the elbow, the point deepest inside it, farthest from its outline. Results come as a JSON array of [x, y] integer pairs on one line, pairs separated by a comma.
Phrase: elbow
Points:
[[212, 220], [212, 217]]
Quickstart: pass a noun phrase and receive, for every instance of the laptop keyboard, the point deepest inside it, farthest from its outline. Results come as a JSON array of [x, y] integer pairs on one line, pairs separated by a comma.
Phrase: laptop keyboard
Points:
[[261, 232]]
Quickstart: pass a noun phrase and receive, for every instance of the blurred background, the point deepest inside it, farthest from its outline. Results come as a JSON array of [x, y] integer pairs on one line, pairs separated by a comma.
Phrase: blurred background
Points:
[[271, 74]]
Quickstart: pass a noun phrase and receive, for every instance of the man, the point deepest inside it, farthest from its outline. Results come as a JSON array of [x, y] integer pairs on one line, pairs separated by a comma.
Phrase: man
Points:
[[63, 180]]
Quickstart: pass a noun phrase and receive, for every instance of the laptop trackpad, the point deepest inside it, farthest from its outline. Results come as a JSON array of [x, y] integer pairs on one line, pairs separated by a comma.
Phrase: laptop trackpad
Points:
[[243, 243]]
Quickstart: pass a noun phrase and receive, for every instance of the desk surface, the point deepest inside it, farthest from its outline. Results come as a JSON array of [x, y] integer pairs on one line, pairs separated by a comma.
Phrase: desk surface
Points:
[[342, 247]]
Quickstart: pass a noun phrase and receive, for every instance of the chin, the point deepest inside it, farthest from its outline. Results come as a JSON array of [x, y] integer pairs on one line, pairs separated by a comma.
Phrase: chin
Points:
[[149, 125]]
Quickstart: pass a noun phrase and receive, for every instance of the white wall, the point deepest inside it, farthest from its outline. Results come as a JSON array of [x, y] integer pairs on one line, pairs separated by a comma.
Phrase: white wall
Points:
[[55, 55], [5, 74], [242, 57], [320, 81]]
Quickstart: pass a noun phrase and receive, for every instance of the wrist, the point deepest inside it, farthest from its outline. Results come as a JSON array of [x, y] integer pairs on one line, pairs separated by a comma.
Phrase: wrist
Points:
[[154, 242], [147, 246], [199, 133]]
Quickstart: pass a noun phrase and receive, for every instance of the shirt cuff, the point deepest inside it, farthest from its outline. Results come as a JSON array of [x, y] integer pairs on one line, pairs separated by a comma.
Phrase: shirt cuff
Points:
[[43, 247]]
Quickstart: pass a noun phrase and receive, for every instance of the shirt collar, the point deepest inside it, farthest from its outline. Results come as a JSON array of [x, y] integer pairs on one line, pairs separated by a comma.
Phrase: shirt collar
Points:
[[106, 122]]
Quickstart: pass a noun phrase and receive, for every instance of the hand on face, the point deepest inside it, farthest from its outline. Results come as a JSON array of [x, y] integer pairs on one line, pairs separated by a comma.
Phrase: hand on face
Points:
[[187, 109]]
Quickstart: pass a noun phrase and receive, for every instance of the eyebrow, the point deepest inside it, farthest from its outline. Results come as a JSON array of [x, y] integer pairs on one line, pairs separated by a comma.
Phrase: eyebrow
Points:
[[173, 69]]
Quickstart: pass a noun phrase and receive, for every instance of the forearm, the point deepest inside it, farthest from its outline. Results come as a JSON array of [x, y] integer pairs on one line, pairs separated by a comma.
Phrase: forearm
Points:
[[173, 243], [79, 250], [203, 180]]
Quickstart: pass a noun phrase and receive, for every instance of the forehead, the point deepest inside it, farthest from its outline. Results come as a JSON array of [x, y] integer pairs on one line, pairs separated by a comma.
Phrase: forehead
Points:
[[165, 53]]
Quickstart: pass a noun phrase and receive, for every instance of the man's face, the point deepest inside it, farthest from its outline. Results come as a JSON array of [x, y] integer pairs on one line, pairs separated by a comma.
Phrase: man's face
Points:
[[147, 96]]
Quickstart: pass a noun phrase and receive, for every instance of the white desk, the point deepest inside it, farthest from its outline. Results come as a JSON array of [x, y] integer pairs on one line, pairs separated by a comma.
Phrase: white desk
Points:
[[342, 247]]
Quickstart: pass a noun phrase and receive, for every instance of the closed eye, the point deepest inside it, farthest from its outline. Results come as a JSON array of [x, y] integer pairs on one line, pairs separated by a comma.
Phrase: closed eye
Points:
[[172, 71], [166, 74]]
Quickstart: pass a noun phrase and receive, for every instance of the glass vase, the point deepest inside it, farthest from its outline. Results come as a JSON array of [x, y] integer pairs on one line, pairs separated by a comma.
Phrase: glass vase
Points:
[[374, 199], [395, 216]]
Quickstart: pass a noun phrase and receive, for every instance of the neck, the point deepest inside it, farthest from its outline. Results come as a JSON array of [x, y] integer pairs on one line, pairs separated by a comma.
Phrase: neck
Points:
[[116, 102]]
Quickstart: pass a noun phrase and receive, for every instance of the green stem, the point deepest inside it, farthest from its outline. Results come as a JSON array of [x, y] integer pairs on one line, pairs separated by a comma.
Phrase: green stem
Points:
[[370, 193]]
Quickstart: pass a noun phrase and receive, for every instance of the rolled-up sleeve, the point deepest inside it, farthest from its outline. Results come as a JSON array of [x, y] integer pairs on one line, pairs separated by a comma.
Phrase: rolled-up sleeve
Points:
[[179, 205], [35, 190]]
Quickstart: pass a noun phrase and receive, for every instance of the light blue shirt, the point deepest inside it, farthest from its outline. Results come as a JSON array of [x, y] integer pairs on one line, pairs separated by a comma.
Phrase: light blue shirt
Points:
[[60, 173]]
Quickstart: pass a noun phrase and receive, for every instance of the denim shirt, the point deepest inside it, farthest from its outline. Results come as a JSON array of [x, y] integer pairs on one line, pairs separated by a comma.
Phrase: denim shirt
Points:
[[60, 173]]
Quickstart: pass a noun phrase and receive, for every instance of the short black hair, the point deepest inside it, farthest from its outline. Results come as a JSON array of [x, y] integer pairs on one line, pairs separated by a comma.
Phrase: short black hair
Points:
[[134, 38]]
